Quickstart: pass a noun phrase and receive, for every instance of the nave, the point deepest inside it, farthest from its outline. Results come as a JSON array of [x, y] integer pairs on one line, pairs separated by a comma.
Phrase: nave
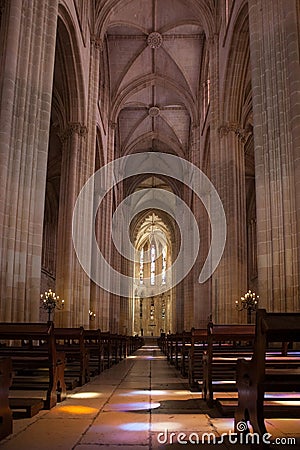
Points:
[[141, 403]]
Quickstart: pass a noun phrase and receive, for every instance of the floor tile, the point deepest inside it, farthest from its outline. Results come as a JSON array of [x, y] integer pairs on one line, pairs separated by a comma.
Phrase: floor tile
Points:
[[141, 403]]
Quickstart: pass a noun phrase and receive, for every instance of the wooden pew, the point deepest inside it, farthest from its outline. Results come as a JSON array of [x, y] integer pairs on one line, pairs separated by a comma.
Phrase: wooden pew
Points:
[[225, 344], [170, 347], [265, 373], [185, 351], [107, 348], [120, 347], [178, 337], [34, 349], [195, 363], [135, 342], [93, 342], [71, 342], [161, 342], [106, 340], [5, 411]]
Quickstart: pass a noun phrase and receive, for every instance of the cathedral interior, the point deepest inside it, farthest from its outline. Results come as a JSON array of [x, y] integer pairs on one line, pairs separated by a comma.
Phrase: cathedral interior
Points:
[[149, 152]]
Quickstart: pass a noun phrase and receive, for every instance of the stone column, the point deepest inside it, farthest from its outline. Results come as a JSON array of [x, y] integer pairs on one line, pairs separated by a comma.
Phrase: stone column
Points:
[[272, 37], [96, 48], [201, 292], [72, 283], [109, 302], [292, 35], [231, 280], [27, 77]]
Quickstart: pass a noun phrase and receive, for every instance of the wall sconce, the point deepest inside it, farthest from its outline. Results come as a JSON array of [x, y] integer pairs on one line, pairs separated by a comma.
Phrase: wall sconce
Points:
[[92, 315], [50, 302], [248, 302]]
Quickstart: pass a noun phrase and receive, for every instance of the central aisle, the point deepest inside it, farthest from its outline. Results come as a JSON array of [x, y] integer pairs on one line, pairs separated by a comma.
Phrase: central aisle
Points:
[[141, 403]]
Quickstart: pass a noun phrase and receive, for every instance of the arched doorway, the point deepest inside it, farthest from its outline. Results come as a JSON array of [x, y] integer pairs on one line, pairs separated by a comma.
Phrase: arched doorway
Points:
[[153, 233], [152, 314]]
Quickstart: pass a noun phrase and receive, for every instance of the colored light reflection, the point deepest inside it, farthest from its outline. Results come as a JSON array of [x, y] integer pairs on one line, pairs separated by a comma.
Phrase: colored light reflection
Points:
[[282, 395], [158, 392], [76, 409], [134, 426], [170, 426], [145, 357], [145, 392], [286, 402], [133, 406], [179, 393], [223, 425], [84, 395]]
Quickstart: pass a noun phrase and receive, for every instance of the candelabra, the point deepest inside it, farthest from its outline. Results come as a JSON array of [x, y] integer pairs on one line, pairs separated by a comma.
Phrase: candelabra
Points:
[[248, 302], [92, 315], [50, 302]]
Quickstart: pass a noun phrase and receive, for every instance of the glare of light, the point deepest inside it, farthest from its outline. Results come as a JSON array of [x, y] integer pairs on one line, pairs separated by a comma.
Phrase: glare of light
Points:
[[145, 357], [184, 393], [134, 426], [286, 402], [145, 392], [85, 395], [133, 406], [74, 409], [224, 424], [170, 426], [282, 395]]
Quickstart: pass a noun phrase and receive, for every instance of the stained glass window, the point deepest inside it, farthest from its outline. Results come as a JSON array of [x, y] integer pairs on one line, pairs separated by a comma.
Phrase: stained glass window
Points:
[[142, 266], [152, 267], [164, 266]]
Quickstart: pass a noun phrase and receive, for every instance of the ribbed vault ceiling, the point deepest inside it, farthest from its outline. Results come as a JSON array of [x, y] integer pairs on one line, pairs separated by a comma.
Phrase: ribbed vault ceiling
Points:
[[155, 49]]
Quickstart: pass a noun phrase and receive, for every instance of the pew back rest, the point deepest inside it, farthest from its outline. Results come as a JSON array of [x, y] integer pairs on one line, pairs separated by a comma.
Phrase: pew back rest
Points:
[[279, 327], [198, 336], [37, 335], [227, 339], [70, 337], [273, 328], [231, 333], [186, 337], [92, 337], [9, 330]]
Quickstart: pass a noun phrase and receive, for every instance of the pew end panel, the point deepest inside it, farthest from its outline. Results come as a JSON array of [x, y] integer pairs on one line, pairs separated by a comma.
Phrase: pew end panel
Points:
[[269, 371], [31, 346], [6, 423]]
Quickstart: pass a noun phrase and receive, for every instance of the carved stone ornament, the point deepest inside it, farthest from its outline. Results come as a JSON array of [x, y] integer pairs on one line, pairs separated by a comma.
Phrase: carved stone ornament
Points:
[[97, 43], [154, 111], [112, 125], [72, 128], [241, 133], [154, 40]]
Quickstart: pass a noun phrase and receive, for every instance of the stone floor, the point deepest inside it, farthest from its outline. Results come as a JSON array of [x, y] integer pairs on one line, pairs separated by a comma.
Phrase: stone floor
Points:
[[141, 403]]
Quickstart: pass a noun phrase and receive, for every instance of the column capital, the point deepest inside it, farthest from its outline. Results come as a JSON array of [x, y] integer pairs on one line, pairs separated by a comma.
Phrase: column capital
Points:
[[71, 129], [112, 125], [213, 39], [241, 133], [97, 42]]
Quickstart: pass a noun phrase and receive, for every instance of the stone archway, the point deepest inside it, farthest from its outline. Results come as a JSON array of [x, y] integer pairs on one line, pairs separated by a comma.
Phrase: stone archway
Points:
[[153, 242]]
